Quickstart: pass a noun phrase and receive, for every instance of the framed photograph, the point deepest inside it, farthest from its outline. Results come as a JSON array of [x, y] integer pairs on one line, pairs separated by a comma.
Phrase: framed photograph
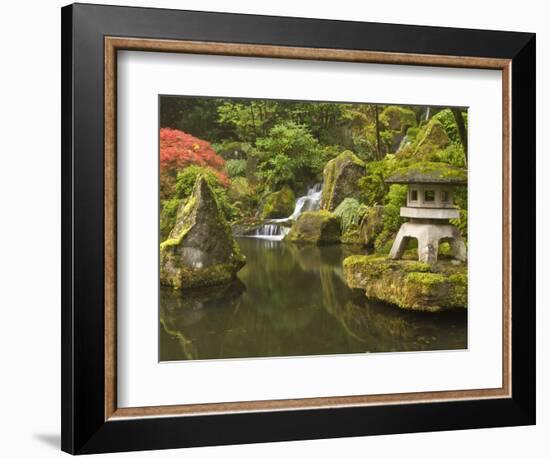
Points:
[[281, 228]]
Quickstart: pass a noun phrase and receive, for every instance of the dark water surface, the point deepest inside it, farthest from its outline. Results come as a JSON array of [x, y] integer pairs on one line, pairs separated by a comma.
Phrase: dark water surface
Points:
[[293, 300]]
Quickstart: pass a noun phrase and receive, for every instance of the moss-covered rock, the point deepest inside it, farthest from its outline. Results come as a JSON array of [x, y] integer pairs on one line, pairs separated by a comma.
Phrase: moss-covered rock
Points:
[[396, 120], [278, 204], [430, 140], [340, 179], [410, 285], [372, 224], [395, 117], [200, 249], [320, 227]]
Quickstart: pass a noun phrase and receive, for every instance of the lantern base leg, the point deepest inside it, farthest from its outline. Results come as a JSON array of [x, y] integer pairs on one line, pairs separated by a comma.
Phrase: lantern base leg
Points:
[[429, 235]]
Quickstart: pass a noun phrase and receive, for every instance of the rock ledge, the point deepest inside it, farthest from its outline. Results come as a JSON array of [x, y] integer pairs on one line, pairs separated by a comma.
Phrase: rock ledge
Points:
[[409, 284]]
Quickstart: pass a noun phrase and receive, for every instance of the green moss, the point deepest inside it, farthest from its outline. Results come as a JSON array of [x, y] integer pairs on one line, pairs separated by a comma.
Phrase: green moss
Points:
[[178, 233], [417, 267], [340, 179], [429, 172], [397, 118], [430, 140], [425, 279], [320, 227], [279, 204], [207, 276], [409, 284], [372, 224]]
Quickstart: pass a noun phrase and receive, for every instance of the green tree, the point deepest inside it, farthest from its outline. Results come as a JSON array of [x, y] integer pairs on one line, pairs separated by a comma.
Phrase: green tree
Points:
[[289, 153]]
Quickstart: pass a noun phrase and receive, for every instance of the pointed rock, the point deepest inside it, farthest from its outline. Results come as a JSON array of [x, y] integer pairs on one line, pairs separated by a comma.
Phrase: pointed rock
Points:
[[340, 178], [200, 249]]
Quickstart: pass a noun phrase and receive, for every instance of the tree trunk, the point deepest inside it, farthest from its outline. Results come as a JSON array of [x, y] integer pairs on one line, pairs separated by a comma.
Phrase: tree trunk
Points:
[[255, 133], [378, 150], [457, 113]]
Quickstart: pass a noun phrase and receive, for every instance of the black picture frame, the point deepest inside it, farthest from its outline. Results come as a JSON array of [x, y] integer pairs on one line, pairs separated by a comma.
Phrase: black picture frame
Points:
[[84, 428]]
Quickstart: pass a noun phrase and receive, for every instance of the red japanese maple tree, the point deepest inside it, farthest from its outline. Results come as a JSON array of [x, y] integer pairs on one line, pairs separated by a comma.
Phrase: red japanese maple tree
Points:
[[179, 150]]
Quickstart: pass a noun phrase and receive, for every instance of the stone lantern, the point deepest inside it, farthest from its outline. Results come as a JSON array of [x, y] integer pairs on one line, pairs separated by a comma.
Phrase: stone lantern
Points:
[[429, 208]]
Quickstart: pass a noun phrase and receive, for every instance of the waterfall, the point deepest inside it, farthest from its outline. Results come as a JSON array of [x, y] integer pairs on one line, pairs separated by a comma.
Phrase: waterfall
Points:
[[274, 229], [404, 141], [310, 202], [270, 231]]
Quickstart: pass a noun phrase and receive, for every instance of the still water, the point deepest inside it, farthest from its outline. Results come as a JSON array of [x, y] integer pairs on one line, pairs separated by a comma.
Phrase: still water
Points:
[[293, 300]]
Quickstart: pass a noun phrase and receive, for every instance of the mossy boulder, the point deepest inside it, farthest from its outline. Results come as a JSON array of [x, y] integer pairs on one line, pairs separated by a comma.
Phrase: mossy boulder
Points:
[[320, 227], [372, 224], [396, 120], [430, 140], [409, 284], [278, 204], [395, 117], [200, 249], [340, 179]]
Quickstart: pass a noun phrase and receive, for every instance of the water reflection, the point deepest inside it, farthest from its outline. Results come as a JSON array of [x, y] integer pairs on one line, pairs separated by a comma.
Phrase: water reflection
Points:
[[292, 300]]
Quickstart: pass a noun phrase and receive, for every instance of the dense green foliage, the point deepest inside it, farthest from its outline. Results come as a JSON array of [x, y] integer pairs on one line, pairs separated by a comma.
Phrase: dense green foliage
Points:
[[396, 198], [350, 212], [289, 154], [235, 167], [373, 186]]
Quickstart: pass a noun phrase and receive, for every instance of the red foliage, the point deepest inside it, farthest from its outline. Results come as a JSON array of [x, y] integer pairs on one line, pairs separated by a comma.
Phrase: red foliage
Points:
[[178, 150]]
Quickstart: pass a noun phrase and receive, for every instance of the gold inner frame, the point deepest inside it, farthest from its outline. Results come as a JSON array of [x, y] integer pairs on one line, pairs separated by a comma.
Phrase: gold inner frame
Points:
[[114, 44]]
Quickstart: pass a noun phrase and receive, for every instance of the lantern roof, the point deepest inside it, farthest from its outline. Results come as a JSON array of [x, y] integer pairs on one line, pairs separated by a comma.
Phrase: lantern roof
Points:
[[429, 173]]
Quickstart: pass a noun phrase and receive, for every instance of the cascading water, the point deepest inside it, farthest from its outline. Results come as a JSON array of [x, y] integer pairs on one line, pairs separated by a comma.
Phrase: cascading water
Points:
[[275, 229], [404, 142], [271, 232], [310, 202]]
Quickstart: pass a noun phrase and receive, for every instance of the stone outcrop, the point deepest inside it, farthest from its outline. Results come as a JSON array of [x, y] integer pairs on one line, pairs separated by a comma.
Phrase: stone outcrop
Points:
[[372, 224], [432, 138], [200, 249], [396, 120], [408, 284], [278, 204], [321, 227], [340, 178], [246, 227]]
